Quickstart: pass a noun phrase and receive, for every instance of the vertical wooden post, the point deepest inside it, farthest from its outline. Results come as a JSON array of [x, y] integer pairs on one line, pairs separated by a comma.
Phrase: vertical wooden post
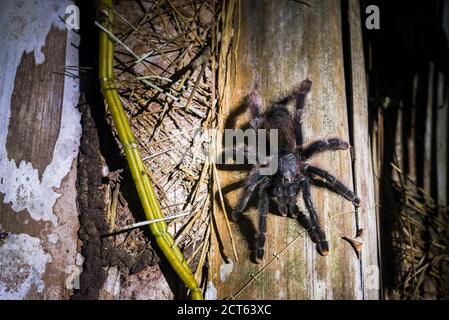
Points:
[[363, 168], [276, 45]]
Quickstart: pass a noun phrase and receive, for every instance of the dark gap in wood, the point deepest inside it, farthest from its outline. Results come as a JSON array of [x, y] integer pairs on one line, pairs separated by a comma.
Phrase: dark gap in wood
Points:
[[407, 126], [420, 123], [387, 199]]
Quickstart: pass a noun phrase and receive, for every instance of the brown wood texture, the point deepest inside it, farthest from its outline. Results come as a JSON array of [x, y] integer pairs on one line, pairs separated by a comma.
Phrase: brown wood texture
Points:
[[36, 109], [363, 169], [276, 45]]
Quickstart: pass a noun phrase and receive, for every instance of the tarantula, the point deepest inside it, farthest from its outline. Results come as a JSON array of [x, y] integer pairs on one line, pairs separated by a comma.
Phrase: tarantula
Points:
[[294, 173]]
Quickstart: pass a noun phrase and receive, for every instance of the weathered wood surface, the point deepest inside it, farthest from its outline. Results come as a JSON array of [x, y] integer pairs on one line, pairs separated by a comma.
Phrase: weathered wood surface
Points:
[[280, 43], [363, 169], [39, 137], [442, 128]]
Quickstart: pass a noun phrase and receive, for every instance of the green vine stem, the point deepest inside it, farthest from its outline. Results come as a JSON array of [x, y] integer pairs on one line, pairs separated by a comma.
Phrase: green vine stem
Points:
[[143, 184]]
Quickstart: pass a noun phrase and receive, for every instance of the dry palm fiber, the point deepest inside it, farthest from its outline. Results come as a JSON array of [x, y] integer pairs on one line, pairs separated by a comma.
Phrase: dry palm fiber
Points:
[[164, 57], [420, 242]]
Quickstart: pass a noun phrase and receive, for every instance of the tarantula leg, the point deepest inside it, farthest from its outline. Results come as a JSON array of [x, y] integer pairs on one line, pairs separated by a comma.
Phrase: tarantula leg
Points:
[[291, 203], [258, 253], [324, 145], [283, 208], [293, 209], [316, 233], [300, 95], [255, 105], [250, 186], [305, 222], [282, 203], [333, 184]]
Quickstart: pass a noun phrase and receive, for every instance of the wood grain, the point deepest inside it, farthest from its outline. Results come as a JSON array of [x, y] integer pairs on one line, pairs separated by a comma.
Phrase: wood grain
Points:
[[36, 104]]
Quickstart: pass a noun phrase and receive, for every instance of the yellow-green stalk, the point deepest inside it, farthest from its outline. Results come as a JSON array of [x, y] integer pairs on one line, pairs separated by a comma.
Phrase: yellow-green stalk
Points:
[[143, 184]]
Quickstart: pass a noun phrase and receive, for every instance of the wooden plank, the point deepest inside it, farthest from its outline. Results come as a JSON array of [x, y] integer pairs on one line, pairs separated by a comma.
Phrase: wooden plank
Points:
[[280, 44], [363, 167]]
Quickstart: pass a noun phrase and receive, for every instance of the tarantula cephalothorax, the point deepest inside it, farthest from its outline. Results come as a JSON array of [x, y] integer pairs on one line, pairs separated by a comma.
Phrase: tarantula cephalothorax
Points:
[[294, 173]]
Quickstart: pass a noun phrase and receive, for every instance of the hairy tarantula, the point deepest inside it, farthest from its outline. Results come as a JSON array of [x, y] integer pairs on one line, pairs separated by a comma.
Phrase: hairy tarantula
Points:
[[294, 173]]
